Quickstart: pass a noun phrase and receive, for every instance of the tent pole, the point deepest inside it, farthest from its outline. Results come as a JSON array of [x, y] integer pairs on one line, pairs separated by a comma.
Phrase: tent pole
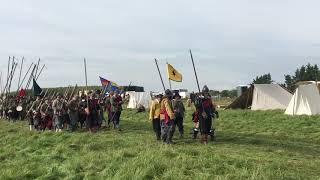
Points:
[[294, 102]]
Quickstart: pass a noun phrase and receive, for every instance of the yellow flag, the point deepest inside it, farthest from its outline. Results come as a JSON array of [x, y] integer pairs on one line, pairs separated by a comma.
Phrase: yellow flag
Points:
[[173, 74]]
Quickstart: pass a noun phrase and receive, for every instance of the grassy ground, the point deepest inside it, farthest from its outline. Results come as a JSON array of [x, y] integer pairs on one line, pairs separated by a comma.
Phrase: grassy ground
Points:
[[250, 145]]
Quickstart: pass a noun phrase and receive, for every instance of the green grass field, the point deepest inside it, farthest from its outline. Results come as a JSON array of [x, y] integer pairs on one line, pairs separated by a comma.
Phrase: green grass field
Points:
[[250, 145]]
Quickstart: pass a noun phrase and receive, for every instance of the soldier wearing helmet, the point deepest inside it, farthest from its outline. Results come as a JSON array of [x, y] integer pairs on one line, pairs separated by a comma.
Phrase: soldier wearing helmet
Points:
[[206, 112]]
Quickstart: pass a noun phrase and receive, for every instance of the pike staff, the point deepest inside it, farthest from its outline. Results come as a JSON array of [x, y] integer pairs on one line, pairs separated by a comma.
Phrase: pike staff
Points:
[[86, 77], [156, 61], [195, 72], [21, 66], [19, 86]]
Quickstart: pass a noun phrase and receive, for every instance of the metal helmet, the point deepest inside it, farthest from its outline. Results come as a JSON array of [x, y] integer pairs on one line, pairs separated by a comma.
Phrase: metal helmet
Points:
[[168, 92], [205, 89]]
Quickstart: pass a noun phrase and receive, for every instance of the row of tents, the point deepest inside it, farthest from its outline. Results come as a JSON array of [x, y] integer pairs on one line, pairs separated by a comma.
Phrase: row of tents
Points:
[[304, 101]]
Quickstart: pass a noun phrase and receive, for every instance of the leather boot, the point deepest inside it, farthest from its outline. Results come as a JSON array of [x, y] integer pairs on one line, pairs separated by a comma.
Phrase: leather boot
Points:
[[205, 139], [195, 134], [202, 139]]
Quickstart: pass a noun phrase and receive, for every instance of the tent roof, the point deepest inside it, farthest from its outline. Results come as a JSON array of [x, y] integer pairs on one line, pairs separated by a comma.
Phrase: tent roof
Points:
[[262, 97], [305, 101]]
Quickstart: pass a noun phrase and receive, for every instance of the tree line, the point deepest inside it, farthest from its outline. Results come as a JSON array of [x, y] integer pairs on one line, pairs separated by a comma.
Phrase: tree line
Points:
[[304, 73]]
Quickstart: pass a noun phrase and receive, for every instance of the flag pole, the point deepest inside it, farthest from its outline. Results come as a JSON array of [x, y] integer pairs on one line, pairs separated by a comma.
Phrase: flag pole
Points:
[[195, 72], [169, 77], [156, 61]]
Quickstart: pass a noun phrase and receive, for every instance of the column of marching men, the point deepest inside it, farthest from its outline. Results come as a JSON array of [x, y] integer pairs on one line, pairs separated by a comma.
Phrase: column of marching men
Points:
[[167, 112], [59, 114]]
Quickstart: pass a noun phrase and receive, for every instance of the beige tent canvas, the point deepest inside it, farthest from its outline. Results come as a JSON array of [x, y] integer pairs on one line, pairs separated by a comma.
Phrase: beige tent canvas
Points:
[[263, 97], [139, 98], [305, 101]]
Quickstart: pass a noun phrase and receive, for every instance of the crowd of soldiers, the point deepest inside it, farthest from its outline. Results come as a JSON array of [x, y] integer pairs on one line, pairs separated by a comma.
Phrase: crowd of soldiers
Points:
[[88, 111], [167, 112], [61, 113]]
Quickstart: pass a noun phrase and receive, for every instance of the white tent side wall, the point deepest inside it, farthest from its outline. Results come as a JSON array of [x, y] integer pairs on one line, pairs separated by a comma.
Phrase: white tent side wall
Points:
[[139, 98], [305, 101], [270, 97]]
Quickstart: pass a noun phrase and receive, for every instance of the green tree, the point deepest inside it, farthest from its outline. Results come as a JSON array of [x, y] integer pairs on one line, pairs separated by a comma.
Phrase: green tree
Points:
[[304, 73], [264, 79]]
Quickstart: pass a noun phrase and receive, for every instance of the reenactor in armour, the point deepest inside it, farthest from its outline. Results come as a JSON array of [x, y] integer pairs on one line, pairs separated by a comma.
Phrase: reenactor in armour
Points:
[[116, 109], [101, 105], [58, 107], [179, 111], [73, 112], [93, 113], [167, 117], [205, 112], [34, 111], [82, 113], [47, 115]]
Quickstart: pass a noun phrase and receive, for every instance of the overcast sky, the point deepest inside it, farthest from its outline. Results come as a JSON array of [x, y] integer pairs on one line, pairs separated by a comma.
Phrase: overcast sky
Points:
[[232, 41]]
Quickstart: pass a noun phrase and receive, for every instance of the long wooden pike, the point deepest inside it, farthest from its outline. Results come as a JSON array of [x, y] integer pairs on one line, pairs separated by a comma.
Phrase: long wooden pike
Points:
[[156, 61], [12, 75], [13, 68], [37, 67], [86, 77], [37, 76], [31, 77], [25, 76], [72, 92], [66, 92], [195, 72], [8, 76], [21, 66], [1, 85]]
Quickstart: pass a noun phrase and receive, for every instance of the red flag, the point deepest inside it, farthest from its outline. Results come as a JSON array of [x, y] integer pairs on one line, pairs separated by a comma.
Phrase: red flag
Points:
[[22, 93]]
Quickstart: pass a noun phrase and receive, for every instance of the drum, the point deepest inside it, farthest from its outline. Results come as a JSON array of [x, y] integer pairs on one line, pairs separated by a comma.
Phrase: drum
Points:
[[19, 108]]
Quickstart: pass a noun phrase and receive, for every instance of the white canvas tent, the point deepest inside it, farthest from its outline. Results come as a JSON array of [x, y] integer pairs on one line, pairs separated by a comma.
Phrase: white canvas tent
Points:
[[263, 97], [139, 98], [305, 101], [269, 97]]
